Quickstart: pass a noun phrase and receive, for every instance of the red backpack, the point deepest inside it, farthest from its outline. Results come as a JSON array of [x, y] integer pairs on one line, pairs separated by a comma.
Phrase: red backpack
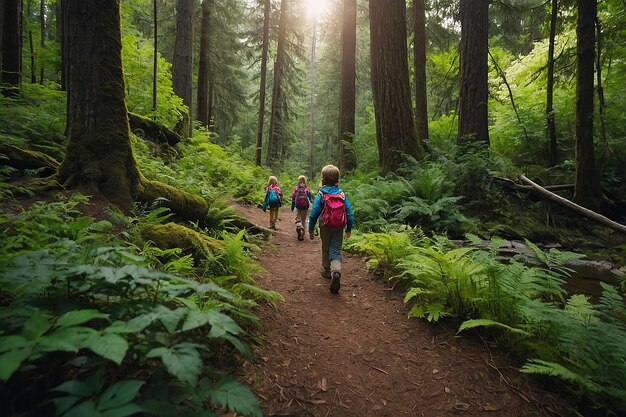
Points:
[[334, 211], [302, 201]]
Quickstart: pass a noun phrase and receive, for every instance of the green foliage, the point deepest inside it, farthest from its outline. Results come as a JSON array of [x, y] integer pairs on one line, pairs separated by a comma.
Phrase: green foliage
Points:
[[36, 120], [137, 56], [85, 304]]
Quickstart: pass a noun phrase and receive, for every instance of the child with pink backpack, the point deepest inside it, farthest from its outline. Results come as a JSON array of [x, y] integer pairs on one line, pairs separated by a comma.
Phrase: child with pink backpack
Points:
[[334, 210], [300, 201]]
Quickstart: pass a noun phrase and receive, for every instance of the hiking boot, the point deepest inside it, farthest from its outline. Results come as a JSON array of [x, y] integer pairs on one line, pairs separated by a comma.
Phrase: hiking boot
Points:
[[300, 233], [335, 282], [325, 273], [273, 225]]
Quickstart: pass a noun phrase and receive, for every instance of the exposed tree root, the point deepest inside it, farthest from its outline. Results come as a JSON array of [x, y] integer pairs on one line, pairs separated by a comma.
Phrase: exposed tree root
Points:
[[172, 235], [189, 206]]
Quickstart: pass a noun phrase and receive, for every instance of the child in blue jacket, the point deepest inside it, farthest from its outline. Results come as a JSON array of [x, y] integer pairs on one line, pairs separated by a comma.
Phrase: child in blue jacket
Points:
[[273, 200], [332, 205]]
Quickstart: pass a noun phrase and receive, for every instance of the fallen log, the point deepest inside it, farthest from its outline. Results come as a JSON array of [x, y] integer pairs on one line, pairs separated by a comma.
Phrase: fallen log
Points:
[[509, 183], [22, 159], [151, 130], [573, 206]]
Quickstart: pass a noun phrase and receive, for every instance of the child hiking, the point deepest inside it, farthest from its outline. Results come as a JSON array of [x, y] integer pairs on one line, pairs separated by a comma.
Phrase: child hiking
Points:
[[336, 214], [273, 200], [300, 201]]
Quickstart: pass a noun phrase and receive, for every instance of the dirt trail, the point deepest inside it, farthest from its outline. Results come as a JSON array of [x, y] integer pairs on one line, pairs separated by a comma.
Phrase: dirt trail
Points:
[[357, 353]]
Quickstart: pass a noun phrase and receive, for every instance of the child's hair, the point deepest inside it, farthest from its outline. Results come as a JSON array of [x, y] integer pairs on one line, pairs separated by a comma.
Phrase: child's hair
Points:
[[330, 175], [302, 180], [273, 180]]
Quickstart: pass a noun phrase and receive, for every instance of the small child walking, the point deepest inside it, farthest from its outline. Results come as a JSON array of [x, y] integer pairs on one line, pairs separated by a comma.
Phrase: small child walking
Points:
[[273, 200], [300, 201], [336, 214]]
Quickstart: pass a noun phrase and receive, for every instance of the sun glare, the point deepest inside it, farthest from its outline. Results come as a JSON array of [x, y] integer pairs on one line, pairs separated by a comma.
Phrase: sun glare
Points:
[[317, 7]]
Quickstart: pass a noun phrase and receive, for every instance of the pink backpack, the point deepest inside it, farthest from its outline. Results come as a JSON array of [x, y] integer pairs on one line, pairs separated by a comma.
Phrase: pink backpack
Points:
[[334, 212], [302, 200]]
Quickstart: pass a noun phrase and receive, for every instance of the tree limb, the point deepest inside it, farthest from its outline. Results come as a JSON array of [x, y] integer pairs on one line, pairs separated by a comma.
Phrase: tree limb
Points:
[[573, 206]]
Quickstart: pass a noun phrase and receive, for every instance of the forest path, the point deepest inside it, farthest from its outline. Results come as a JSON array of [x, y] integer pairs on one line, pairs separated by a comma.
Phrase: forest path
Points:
[[357, 354]]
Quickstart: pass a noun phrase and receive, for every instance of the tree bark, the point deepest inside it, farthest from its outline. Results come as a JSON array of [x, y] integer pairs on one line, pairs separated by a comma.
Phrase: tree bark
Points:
[[155, 58], [588, 191], [348, 93], [473, 123], [62, 23], [550, 116], [182, 67], [266, 40], [42, 40], [99, 156], [600, 89], [419, 66], [275, 137], [11, 48], [31, 46], [313, 76], [203, 67], [396, 134]]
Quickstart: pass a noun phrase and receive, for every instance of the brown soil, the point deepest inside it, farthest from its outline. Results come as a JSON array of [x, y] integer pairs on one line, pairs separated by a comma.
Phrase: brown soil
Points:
[[357, 353]]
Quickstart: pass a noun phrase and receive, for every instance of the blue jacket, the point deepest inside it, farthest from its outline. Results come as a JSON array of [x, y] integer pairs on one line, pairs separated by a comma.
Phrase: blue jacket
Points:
[[318, 205], [266, 202]]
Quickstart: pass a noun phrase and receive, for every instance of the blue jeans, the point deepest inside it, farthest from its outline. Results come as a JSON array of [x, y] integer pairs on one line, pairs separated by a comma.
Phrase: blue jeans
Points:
[[331, 247]]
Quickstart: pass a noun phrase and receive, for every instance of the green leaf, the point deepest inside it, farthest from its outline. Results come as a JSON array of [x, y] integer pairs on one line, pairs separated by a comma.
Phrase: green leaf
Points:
[[470, 324], [76, 317], [195, 319], [110, 346], [222, 324], [36, 325], [230, 393], [62, 404], [11, 361], [67, 339], [124, 410], [75, 387], [13, 342], [241, 346], [88, 408], [183, 361], [119, 394]]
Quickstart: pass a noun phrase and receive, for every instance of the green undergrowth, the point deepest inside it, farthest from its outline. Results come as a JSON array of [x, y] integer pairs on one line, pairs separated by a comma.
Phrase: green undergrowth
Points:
[[567, 338], [97, 321]]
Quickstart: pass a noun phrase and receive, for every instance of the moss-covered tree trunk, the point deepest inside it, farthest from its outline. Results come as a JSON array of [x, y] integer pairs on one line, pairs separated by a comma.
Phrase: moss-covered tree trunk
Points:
[[182, 66], [99, 158]]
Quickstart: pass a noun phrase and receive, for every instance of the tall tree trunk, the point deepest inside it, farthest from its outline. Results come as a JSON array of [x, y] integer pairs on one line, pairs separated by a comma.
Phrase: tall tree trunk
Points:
[[42, 41], [419, 65], [588, 192], [266, 40], [600, 89], [1, 34], [182, 67], [211, 95], [203, 67], [473, 123], [99, 156], [395, 126], [155, 58], [62, 19], [313, 76], [550, 116], [12, 47], [275, 136], [33, 78], [348, 79]]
